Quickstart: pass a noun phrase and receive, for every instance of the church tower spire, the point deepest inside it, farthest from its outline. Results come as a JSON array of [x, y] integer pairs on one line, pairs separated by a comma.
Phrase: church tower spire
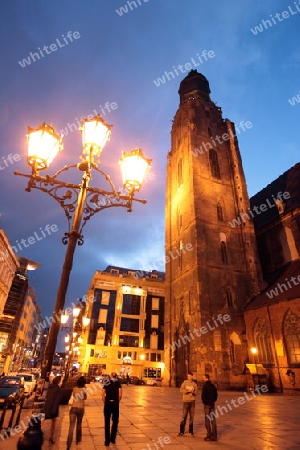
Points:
[[211, 259]]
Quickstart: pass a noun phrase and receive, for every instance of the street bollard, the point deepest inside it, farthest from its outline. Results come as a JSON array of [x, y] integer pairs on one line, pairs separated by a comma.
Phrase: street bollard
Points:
[[33, 436]]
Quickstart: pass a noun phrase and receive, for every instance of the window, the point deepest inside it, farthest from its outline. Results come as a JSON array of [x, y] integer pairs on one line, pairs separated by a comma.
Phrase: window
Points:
[[131, 325], [292, 337], [224, 255], [150, 372], [229, 298], [92, 352], [131, 304], [153, 343], [179, 219], [102, 315], [128, 341], [152, 357], [209, 132], [105, 298], [207, 113], [24, 314], [214, 164], [262, 338], [114, 272], [179, 173], [154, 321], [232, 352], [155, 304], [220, 212]]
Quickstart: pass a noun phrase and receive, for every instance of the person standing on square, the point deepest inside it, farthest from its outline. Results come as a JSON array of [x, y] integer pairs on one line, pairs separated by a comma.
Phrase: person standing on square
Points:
[[189, 391], [209, 396], [111, 397]]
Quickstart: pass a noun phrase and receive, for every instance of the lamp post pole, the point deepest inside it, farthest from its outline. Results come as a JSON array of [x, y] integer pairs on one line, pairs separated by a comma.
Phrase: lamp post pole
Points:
[[65, 276], [254, 353], [79, 201]]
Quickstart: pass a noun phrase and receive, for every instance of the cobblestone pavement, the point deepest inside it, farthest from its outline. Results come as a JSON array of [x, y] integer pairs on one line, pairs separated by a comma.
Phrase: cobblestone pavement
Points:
[[147, 413]]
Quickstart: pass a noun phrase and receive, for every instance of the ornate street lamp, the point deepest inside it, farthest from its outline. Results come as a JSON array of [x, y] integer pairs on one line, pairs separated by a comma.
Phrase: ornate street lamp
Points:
[[79, 201]]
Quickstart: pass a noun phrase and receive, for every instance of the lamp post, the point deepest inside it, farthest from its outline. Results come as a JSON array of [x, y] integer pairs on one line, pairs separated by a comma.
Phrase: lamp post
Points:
[[74, 338], [254, 353], [79, 201]]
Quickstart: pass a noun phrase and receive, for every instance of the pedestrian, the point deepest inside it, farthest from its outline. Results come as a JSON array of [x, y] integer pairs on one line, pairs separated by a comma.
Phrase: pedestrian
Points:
[[79, 395], [209, 396], [111, 397], [51, 407], [189, 391]]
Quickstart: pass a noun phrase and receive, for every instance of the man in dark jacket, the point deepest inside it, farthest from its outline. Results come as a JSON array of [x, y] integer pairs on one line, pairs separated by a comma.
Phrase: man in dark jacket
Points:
[[111, 397], [209, 397]]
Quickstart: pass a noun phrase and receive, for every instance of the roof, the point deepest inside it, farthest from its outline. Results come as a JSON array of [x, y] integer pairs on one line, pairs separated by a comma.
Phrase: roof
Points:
[[284, 286], [124, 271], [289, 182], [194, 81]]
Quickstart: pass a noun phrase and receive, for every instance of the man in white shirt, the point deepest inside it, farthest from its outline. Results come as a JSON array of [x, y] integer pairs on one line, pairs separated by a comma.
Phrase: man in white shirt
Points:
[[189, 391]]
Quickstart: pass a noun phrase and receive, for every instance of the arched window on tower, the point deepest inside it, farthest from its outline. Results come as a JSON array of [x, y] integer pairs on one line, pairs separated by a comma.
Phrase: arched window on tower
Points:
[[214, 164], [229, 298], [224, 255], [292, 337], [220, 212], [179, 173]]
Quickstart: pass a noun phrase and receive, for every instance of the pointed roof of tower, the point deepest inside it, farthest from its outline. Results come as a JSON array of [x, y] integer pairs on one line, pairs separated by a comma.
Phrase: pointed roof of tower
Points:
[[194, 81]]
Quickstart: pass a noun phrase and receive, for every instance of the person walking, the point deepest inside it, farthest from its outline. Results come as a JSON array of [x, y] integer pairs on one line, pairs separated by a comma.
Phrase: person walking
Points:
[[189, 391], [79, 395], [111, 397], [209, 396], [51, 407]]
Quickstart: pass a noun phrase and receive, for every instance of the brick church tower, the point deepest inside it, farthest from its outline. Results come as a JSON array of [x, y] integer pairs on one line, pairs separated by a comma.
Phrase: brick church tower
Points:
[[211, 262]]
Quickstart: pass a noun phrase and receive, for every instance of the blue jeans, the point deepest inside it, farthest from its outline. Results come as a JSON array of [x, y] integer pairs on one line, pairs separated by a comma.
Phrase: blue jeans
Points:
[[75, 414], [188, 408]]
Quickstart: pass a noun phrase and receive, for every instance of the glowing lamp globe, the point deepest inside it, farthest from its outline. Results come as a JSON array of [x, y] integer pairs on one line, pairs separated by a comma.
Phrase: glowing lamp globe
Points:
[[95, 134], [134, 167], [43, 146]]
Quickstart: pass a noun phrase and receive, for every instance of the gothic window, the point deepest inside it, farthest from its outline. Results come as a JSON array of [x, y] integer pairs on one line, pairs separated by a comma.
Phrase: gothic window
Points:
[[180, 255], [292, 337], [214, 164], [229, 298], [262, 338], [232, 352], [179, 219], [235, 346], [220, 212], [179, 172], [224, 255]]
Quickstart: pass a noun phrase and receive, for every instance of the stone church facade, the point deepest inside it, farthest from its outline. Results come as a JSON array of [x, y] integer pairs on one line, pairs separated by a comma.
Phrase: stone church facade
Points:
[[212, 266]]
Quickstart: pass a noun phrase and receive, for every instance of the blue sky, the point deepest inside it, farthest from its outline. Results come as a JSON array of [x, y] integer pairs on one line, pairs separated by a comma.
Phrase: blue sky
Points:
[[116, 60]]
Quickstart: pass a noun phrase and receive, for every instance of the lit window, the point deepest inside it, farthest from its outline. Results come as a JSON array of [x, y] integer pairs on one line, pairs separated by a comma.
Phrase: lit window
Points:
[[102, 315], [155, 303], [154, 321], [105, 298]]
